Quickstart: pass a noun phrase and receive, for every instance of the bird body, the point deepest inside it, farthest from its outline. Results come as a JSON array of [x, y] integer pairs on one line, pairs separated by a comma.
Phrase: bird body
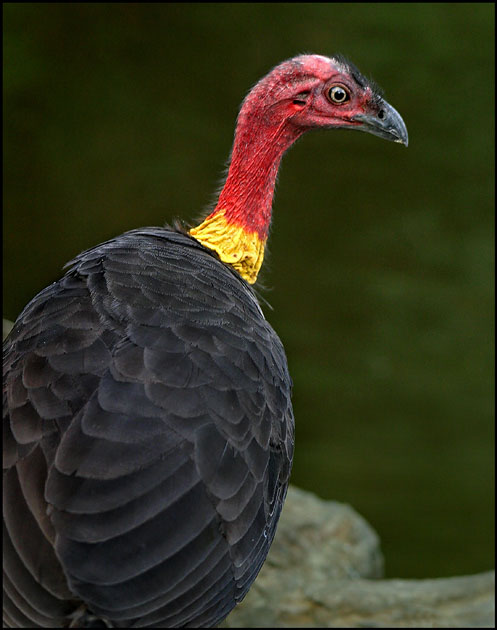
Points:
[[141, 378], [148, 426]]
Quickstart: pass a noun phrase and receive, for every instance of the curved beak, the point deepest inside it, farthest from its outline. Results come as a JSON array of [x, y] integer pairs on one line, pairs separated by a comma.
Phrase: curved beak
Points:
[[386, 123]]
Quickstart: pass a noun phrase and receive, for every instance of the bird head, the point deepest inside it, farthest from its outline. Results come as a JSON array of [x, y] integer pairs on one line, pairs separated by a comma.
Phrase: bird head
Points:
[[313, 91], [303, 93]]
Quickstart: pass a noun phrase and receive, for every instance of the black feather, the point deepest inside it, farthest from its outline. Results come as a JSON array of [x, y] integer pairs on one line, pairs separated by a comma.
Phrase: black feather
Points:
[[148, 400]]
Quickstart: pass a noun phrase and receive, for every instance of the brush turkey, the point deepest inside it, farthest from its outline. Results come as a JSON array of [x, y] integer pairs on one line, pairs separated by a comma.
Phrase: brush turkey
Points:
[[148, 427]]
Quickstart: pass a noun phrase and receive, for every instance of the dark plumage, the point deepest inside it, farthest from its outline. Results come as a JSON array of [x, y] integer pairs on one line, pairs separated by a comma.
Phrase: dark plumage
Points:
[[134, 385], [148, 427]]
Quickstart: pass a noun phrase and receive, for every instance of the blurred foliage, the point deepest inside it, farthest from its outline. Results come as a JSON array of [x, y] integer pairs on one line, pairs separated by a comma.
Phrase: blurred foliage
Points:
[[381, 269]]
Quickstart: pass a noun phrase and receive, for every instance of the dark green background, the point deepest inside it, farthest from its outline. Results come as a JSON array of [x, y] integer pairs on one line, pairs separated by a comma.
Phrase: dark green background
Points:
[[381, 265]]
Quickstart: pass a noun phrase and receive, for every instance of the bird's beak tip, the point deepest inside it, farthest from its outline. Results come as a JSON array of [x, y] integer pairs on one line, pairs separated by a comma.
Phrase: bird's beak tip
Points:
[[389, 127]]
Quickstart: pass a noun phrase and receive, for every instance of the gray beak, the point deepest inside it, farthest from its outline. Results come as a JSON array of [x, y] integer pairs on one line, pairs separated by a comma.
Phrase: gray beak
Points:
[[386, 123]]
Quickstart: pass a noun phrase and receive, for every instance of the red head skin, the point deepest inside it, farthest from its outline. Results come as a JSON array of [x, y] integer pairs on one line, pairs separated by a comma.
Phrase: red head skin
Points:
[[290, 100]]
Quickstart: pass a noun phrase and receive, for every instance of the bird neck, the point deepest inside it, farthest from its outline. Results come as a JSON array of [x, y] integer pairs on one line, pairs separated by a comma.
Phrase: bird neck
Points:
[[238, 227]]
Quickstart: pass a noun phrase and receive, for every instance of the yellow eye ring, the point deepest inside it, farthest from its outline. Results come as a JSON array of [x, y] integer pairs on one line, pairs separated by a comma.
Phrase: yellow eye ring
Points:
[[338, 94]]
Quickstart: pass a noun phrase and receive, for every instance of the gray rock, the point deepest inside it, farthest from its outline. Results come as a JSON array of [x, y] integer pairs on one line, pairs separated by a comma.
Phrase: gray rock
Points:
[[7, 327], [323, 569]]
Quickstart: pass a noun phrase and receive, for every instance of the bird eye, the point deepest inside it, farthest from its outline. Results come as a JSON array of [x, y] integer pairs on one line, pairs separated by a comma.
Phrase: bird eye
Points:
[[338, 94]]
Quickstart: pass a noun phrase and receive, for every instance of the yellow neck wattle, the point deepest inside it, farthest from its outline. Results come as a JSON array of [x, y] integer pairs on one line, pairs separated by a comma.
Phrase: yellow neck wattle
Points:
[[235, 245]]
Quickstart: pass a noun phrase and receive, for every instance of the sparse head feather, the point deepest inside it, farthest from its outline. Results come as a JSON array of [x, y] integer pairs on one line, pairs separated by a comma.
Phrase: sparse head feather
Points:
[[294, 72], [319, 66], [360, 79]]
